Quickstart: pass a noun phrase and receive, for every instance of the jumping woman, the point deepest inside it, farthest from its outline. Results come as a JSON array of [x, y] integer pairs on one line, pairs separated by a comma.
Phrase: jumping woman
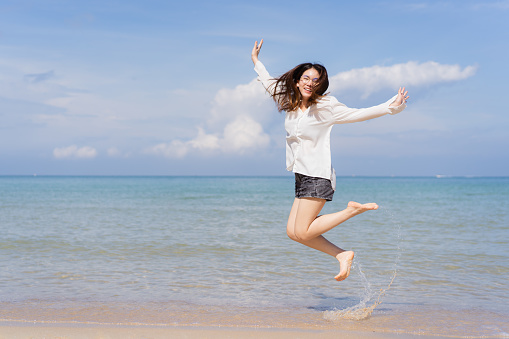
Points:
[[310, 115]]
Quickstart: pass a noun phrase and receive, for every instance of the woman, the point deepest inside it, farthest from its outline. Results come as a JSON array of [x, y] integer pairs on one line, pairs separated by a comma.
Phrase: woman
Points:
[[310, 115]]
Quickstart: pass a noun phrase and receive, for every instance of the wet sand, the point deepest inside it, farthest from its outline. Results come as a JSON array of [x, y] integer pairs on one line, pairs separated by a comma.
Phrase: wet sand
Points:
[[73, 331], [71, 319]]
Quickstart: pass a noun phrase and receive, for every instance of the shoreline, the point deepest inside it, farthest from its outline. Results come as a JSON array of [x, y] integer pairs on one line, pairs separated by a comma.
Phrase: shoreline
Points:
[[43, 319], [37, 329]]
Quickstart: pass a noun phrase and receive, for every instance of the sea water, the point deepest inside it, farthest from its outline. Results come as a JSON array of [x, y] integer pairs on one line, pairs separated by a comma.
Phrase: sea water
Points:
[[433, 259]]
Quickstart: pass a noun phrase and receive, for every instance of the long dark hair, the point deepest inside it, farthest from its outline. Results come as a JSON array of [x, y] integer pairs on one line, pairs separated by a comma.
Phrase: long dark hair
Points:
[[286, 94]]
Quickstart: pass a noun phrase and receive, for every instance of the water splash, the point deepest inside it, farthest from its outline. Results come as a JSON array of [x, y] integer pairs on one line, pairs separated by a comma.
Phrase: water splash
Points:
[[364, 309]]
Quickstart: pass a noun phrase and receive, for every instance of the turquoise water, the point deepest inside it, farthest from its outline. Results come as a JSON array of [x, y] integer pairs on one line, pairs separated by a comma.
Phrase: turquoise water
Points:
[[220, 243]]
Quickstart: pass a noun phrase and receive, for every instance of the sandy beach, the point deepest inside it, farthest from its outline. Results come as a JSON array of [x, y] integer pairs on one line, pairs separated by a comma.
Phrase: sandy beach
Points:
[[177, 320], [13, 330]]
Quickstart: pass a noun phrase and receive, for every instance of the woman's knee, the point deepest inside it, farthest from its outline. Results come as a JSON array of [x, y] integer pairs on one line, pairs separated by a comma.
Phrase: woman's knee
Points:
[[302, 235], [291, 234]]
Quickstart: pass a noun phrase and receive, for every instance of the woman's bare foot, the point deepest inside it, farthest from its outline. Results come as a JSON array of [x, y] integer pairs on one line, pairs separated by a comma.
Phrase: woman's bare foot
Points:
[[345, 258], [345, 263], [357, 208]]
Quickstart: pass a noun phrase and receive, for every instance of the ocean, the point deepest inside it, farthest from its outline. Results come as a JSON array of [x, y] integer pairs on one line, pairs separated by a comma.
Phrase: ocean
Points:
[[213, 251]]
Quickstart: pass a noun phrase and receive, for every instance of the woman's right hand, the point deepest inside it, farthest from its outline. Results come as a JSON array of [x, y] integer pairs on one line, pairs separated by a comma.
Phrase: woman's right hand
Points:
[[256, 51]]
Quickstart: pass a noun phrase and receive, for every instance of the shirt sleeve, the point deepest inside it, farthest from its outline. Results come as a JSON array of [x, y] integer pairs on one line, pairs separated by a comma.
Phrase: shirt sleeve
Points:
[[342, 114], [264, 77]]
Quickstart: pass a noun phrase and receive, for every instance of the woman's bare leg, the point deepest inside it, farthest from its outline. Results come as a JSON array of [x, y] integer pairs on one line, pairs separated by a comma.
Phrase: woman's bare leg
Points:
[[304, 227], [308, 226]]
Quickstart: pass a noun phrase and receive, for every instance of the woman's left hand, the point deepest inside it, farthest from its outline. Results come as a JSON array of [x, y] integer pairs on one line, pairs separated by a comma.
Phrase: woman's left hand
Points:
[[401, 98]]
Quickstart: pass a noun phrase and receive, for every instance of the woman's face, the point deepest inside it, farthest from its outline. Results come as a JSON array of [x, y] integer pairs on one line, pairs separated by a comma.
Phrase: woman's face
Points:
[[308, 81]]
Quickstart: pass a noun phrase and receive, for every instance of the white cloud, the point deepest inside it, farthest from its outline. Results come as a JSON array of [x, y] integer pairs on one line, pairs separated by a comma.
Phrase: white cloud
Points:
[[235, 123], [73, 151], [244, 133], [174, 149], [245, 99], [204, 141], [114, 152], [503, 5], [455, 5], [411, 74], [61, 102], [238, 136]]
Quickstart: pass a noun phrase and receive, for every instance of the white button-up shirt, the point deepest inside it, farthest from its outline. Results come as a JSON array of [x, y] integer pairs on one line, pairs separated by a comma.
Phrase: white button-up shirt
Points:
[[308, 133]]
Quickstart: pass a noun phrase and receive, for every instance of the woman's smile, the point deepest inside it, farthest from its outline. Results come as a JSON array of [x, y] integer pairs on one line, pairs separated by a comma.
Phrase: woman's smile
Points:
[[307, 82]]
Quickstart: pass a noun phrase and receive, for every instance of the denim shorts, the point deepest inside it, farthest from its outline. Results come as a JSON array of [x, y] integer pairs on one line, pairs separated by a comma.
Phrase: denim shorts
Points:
[[313, 187]]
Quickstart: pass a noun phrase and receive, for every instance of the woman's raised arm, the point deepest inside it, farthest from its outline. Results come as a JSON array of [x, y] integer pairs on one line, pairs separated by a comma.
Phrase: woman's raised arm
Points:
[[256, 51]]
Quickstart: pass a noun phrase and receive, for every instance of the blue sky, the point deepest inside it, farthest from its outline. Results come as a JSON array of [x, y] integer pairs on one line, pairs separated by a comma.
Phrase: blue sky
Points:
[[168, 88]]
